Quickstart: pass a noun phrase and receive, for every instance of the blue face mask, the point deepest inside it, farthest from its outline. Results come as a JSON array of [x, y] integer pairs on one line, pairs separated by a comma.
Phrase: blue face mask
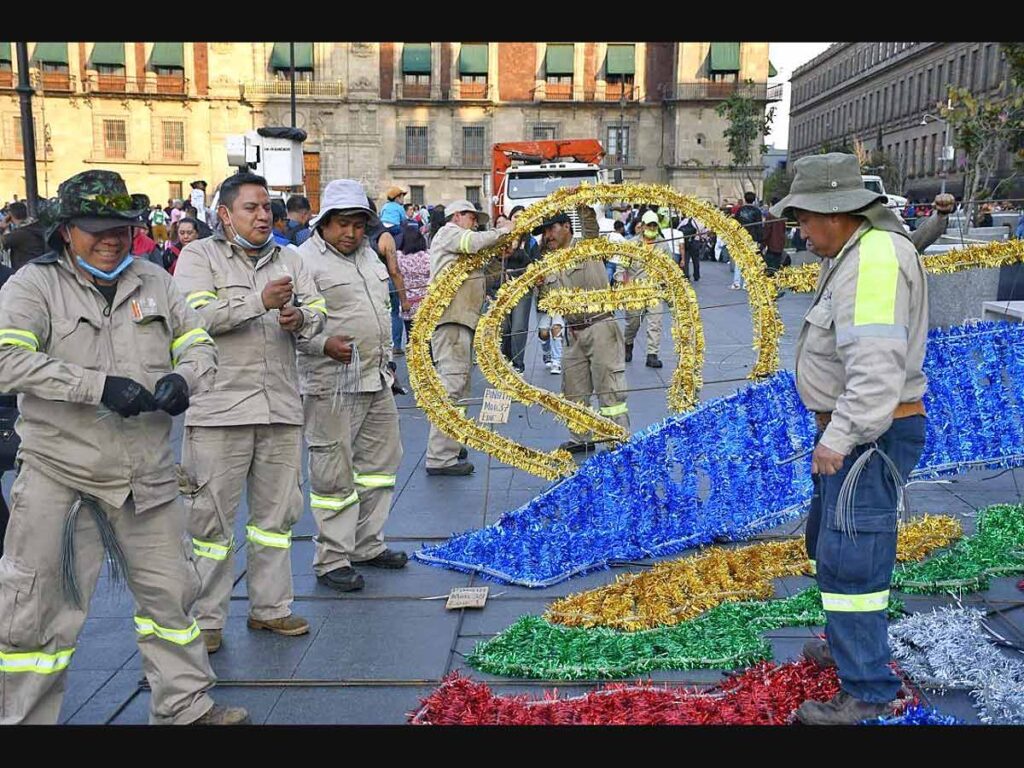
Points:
[[242, 242], [112, 274]]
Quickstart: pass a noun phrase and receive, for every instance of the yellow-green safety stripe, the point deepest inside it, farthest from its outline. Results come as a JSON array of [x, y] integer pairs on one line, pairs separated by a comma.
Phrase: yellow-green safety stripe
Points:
[[877, 276], [814, 567], [268, 539], [19, 338], [335, 503], [614, 410], [211, 549], [375, 481], [186, 340], [318, 305], [185, 636], [36, 661], [464, 241], [872, 601], [199, 299]]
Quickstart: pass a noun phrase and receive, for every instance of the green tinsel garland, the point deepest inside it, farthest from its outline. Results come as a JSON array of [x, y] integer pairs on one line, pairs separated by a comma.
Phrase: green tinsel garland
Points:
[[997, 548], [725, 637]]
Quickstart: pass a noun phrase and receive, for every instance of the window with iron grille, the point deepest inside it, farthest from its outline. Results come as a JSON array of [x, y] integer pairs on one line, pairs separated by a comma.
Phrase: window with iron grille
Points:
[[543, 133], [473, 145], [421, 80], [169, 71], [416, 194], [618, 143], [172, 139], [473, 195], [416, 145], [115, 139]]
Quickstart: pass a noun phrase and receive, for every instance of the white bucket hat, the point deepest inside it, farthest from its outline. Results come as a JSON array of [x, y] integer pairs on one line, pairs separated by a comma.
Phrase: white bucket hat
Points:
[[464, 205], [344, 195]]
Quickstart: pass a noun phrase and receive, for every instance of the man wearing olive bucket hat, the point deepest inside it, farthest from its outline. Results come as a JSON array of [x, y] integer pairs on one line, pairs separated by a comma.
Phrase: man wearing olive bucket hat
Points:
[[859, 368]]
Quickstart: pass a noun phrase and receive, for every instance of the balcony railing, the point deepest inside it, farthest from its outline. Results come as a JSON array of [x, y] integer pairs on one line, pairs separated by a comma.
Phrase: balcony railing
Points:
[[708, 91], [158, 85], [330, 88], [558, 92], [405, 90], [471, 91], [55, 81]]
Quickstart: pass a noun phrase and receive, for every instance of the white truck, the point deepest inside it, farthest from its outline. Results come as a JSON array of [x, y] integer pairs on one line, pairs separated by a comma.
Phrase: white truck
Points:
[[896, 202]]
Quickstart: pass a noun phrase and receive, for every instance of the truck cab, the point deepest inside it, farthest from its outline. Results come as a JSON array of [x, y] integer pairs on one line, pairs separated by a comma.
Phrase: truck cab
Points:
[[896, 202]]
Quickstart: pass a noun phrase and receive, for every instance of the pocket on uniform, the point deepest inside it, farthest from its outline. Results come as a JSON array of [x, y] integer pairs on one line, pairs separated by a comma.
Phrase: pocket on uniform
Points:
[[866, 520], [820, 316], [153, 341], [19, 606], [327, 470]]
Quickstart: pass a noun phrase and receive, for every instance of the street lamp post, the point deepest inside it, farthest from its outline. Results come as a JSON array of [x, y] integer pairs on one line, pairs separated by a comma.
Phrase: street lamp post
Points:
[[28, 134], [945, 143]]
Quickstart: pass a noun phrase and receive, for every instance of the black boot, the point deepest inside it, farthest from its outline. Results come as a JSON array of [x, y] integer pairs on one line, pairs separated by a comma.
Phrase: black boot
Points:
[[654, 362], [629, 353]]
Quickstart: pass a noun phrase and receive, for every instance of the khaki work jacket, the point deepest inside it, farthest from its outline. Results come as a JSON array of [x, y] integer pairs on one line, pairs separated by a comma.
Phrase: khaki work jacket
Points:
[[451, 242], [355, 289], [59, 340], [258, 381], [862, 344]]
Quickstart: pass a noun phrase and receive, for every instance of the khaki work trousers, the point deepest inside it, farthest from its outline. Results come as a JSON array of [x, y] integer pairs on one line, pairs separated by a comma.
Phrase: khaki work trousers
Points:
[[39, 626], [594, 363], [354, 451], [452, 345], [266, 460], [654, 324]]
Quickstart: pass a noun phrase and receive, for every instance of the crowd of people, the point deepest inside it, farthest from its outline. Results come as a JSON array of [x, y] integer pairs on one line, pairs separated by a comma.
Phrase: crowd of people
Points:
[[267, 324]]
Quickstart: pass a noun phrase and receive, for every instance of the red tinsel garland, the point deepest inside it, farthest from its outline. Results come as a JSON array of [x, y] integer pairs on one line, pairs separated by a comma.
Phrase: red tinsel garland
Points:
[[766, 694]]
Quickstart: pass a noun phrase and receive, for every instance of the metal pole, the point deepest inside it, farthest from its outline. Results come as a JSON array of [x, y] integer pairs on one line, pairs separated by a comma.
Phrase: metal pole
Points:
[[28, 134], [945, 171], [291, 52]]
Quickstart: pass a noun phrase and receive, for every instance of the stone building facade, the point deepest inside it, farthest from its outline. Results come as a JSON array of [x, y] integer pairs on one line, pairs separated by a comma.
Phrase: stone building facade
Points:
[[879, 93], [420, 115]]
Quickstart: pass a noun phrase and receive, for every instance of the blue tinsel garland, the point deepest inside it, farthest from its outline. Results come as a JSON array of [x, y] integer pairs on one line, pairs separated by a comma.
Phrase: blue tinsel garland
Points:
[[916, 714], [715, 473]]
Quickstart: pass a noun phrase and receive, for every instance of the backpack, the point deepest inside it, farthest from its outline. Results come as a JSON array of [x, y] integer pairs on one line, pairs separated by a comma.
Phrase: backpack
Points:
[[752, 220]]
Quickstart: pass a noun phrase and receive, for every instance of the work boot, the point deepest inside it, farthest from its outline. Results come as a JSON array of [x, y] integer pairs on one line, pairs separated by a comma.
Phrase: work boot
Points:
[[573, 447], [218, 714], [456, 470], [463, 453], [289, 626], [211, 639], [843, 709], [342, 579], [819, 652], [654, 362], [629, 353], [389, 558]]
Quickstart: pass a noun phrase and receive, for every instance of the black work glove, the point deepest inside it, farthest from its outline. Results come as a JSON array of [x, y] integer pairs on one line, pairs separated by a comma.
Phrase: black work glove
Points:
[[126, 397], [172, 394]]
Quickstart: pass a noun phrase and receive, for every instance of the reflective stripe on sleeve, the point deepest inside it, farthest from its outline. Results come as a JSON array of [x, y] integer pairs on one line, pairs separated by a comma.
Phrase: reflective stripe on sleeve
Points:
[[16, 337], [186, 340], [200, 298], [877, 275]]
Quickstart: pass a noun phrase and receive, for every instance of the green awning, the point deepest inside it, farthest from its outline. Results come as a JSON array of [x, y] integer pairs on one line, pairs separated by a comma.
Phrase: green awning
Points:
[[621, 60], [111, 54], [5, 52], [168, 55], [772, 72], [473, 59], [725, 57], [280, 57], [416, 59], [559, 58], [51, 53]]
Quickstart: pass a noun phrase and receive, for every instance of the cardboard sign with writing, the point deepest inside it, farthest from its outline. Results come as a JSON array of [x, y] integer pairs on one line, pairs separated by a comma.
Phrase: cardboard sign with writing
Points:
[[466, 597], [495, 407]]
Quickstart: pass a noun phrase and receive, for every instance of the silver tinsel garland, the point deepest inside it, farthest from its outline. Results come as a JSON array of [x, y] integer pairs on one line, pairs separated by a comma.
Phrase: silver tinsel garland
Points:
[[949, 648]]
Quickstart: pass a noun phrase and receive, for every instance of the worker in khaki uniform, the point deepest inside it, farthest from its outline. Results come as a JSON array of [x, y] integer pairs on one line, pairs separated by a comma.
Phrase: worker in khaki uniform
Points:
[[247, 430], [594, 362], [452, 342], [859, 368], [102, 350], [351, 421], [651, 235]]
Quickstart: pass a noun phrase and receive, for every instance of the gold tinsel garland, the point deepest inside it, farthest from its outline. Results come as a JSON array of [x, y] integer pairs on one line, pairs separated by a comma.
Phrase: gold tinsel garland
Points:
[[804, 278], [679, 590], [687, 333], [632, 296]]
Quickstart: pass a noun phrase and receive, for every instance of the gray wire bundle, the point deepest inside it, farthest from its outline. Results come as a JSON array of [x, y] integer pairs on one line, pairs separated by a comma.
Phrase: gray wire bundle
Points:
[[111, 546]]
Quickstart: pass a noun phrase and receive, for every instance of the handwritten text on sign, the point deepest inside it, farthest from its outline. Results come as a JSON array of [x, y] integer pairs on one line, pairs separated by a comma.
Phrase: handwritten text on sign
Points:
[[495, 407]]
